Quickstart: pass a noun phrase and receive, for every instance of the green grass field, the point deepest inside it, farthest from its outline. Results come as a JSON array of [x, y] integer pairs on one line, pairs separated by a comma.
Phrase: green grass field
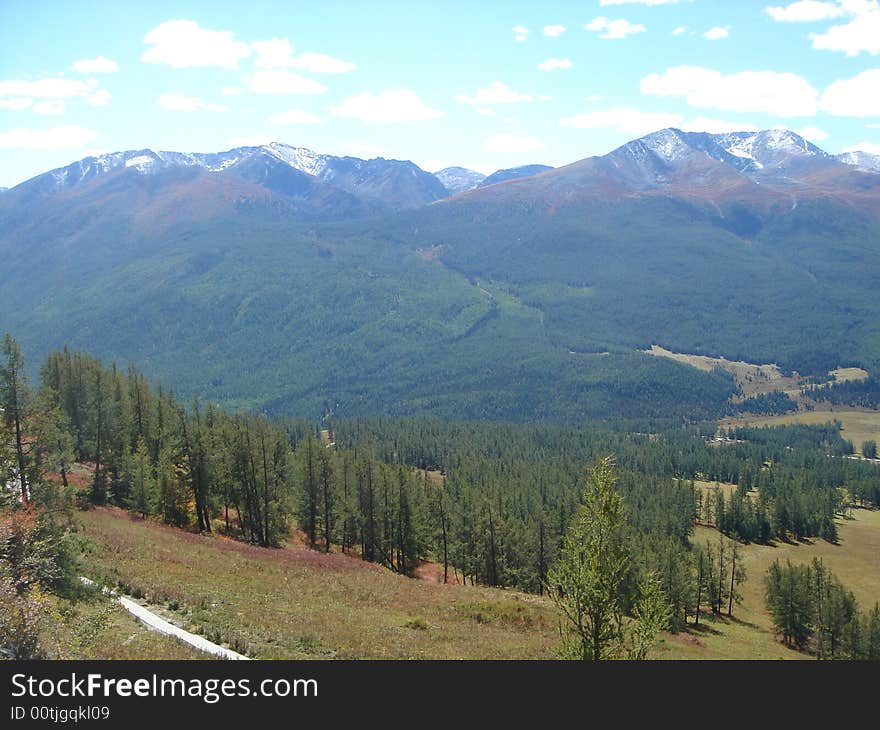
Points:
[[296, 603], [857, 426], [749, 634]]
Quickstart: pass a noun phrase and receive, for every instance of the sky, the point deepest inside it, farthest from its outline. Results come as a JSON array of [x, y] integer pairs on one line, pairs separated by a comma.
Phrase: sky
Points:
[[483, 85]]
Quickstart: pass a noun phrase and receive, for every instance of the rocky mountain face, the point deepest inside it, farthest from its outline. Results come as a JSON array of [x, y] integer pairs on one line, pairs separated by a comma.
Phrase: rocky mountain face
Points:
[[459, 179]]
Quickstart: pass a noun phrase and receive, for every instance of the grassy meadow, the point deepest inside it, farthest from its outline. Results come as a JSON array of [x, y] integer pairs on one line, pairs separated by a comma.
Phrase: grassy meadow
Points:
[[749, 634], [857, 426], [295, 603]]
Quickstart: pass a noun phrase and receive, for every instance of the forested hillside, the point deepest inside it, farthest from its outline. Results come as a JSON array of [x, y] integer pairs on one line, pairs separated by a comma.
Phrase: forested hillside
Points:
[[526, 300]]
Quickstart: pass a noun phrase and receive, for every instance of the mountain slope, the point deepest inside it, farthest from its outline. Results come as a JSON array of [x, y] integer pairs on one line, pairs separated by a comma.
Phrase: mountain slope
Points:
[[377, 184], [459, 179], [863, 160], [302, 284], [513, 173]]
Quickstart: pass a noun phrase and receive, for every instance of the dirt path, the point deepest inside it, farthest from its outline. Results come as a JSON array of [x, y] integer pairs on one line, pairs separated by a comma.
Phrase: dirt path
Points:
[[157, 623]]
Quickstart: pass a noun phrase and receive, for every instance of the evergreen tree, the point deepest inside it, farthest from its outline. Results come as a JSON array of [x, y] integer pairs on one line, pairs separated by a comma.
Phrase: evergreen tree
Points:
[[15, 402], [143, 496], [789, 599], [588, 582]]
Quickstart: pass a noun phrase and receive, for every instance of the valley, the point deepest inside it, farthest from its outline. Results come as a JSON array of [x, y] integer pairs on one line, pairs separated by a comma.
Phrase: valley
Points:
[[278, 394]]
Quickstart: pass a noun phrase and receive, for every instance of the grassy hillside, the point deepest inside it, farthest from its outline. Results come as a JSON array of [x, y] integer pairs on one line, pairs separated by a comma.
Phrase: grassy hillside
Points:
[[295, 603], [300, 604]]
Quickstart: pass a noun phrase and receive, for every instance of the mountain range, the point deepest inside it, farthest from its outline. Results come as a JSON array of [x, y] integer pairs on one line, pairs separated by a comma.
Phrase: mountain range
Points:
[[277, 278]]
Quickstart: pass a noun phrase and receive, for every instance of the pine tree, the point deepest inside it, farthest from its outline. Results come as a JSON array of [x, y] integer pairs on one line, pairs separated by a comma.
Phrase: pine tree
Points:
[[588, 582], [15, 402], [789, 599], [143, 496]]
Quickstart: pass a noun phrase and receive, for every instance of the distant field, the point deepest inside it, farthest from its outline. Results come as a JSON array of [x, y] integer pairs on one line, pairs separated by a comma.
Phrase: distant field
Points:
[[843, 374], [749, 635], [857, 426], [753, 379]]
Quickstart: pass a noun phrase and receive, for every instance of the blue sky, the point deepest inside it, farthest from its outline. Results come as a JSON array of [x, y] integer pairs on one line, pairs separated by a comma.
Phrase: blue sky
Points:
[[486, 86]]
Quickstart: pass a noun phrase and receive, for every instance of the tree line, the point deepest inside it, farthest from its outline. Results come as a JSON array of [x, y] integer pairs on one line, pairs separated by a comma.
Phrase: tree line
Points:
[[491, 502], [813, 611]]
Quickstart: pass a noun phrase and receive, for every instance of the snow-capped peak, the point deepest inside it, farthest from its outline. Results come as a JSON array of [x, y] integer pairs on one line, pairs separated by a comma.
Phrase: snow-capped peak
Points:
[[861, 160], [667, 144], [141, 162], [768, 147], [300, 158]]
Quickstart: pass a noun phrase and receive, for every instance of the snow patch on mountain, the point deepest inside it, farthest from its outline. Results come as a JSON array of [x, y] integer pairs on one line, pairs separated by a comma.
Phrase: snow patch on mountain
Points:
[[458, 179], [141, 162], [862, 160], [667, 144]]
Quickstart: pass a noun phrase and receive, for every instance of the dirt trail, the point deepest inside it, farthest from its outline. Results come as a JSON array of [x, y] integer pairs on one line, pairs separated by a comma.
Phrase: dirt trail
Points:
[[157, 623]]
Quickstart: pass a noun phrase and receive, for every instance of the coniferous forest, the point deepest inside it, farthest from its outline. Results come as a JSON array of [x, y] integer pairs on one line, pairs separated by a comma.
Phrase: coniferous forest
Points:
[[491, 503]]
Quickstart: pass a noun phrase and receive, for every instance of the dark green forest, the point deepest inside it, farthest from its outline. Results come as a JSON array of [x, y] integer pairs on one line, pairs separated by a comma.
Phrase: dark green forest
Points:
[[459, 310]]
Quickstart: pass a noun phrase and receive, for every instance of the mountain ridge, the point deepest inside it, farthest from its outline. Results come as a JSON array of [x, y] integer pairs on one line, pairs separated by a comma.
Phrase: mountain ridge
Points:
[[263, 286]]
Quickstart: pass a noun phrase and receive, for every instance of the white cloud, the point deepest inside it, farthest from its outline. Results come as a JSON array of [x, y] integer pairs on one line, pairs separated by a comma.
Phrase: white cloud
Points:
[[99, 98], [184, 44], [231, 91], [386, 107], [870, 147], [99, 65], [623, 119], [551, 64], [554, 31], [873, 126], [512, 143], [520, 33], [495, 93], [485, 112], [56, 138], [805, 11], [861, 34], [770, 92], [604, 3], [176, 101], [362, 150], [15, 105], [319, 63], [54, 92], [48, 88], [680, 30], [811, 133], [275, 53], [718, 126], [716, 33], [278, 53], [281, 81], [295, 116], [50, 107], [614, 28], [855, 97]]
